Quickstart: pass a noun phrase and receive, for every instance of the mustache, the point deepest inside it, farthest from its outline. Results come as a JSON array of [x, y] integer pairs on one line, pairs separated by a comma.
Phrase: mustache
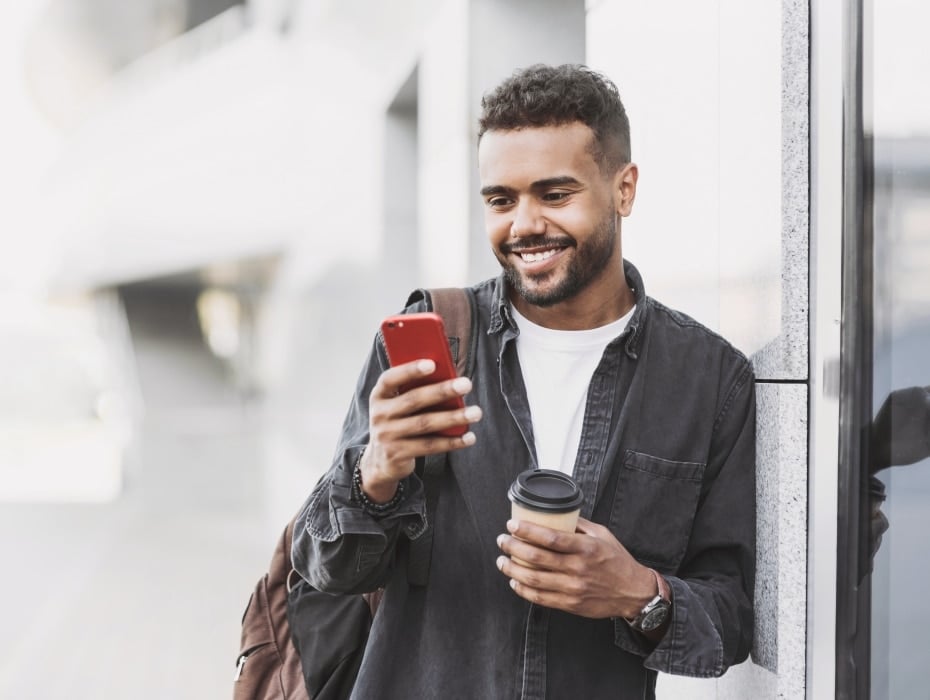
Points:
[[541, 241]]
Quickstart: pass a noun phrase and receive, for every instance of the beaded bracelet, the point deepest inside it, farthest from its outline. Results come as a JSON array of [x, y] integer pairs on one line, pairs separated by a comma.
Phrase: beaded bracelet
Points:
[[368, 505]]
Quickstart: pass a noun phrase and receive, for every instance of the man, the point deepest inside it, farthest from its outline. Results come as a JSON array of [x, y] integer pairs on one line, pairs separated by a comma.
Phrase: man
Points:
[[578, 370]]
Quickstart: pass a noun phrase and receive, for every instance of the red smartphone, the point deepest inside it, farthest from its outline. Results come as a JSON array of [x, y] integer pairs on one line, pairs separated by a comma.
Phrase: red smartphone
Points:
[[422, 336]]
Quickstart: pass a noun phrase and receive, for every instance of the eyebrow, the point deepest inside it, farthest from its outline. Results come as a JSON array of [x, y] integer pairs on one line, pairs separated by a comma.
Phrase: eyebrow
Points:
[[543, 184]]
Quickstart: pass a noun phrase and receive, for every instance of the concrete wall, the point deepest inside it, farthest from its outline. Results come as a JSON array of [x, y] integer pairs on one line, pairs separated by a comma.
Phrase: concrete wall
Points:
[[717, 95]]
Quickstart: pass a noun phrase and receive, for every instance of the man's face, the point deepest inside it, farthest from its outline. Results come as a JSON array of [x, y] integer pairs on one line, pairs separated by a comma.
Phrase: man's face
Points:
[[551, 215]]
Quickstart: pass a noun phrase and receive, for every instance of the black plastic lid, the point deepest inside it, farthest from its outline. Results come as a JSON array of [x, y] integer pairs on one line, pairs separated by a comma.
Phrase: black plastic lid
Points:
[[546, 490]]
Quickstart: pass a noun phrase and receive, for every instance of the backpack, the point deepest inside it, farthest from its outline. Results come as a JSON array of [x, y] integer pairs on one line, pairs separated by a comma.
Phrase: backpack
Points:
[[299, 643]]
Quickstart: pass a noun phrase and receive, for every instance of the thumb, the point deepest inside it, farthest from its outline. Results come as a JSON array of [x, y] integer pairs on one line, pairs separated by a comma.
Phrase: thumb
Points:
[[586, 527]]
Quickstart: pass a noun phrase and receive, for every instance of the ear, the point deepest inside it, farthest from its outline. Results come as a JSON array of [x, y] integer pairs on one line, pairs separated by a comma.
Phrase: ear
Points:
[[624, 188]]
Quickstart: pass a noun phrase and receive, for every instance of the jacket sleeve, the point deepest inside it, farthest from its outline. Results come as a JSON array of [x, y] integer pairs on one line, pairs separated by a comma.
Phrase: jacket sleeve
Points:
[[712, 613], [338, 547]]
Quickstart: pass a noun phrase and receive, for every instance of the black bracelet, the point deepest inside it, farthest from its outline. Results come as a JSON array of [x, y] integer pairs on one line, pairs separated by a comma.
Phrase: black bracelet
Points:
[[368, 505]]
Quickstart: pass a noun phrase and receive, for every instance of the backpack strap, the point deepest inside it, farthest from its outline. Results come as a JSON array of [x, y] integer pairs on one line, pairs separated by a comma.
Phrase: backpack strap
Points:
[[459, 315]]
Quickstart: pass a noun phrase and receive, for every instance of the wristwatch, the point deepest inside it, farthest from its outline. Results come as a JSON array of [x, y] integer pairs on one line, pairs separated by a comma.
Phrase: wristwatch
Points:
[[656, 611]]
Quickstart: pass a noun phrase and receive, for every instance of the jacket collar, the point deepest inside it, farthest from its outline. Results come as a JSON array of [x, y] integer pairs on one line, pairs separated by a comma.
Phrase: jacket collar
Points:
[[633, 332]]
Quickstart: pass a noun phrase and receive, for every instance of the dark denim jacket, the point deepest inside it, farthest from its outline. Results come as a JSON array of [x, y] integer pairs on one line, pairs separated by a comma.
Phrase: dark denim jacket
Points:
[[666, 461]]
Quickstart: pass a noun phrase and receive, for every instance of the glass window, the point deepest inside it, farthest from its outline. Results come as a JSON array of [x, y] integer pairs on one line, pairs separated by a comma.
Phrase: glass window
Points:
[[896, 118]]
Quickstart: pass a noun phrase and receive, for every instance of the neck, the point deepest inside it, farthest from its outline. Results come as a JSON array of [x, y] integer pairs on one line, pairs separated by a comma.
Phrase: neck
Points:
[[593, 307]]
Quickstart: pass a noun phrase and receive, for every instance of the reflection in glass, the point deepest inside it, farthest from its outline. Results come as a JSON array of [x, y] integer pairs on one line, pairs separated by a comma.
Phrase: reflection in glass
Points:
[[899, 449]]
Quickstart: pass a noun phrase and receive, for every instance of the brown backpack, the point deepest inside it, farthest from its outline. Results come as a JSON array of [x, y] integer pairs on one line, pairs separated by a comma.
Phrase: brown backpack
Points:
[[333, 629], [268, 667]]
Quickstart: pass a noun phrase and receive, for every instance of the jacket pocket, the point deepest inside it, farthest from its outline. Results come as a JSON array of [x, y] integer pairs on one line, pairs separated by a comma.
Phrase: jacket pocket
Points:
[[654, 507]]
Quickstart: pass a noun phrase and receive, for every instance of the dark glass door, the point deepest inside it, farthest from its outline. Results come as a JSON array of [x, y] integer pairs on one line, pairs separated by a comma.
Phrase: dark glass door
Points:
[[897, 60], [883, 611]]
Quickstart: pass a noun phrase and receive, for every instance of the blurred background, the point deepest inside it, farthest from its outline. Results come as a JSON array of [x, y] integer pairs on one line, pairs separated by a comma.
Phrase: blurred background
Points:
[[206, 206]]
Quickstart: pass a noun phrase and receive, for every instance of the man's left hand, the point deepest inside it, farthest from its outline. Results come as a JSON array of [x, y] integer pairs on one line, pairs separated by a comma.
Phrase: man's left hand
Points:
[[587, 573]]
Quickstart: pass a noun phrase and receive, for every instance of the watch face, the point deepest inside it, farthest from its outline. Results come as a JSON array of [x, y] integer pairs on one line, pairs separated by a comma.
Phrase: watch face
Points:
[[654, 618]]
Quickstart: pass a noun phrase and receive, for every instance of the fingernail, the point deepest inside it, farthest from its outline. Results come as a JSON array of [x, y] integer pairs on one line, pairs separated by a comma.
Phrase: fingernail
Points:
[[500, 540], [511, 525], [500, 562], [469, 438], [426, 366], [513, 584], [462, 385], [472, 413]]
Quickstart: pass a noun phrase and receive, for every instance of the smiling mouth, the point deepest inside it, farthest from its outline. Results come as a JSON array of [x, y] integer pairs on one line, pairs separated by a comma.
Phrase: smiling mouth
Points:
[[537, 251], [538, 256]]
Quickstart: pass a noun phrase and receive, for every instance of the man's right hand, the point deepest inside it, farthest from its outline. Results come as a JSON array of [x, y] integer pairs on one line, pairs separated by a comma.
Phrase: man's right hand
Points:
[[401, 429]]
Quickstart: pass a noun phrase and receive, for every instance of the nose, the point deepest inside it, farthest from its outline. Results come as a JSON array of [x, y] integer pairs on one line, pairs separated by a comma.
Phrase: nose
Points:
[[527, 220]]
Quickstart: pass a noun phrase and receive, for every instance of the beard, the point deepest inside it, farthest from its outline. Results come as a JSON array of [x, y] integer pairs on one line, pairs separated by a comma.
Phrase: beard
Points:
[[589, 260]]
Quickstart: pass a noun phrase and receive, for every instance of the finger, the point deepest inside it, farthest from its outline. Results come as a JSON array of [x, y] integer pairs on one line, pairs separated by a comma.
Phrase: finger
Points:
[[532, 576], [537, 558], [431, 422], [411, 448], [556, 600], [443, 394], [586, 527], [394, 378], [603, 536], [434, 444], [533, 595], [546, 588], [545, 537], [405, 378], [529, 555]]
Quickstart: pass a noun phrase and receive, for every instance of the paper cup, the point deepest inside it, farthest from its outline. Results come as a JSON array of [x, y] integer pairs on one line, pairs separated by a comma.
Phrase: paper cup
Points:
[[546, 497]]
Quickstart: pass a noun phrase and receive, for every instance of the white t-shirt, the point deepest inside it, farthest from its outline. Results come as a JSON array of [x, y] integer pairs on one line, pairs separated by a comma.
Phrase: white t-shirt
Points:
[[557, 367]]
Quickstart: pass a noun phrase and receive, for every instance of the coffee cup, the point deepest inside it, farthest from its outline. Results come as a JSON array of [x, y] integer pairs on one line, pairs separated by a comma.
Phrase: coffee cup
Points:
[[546, 497]]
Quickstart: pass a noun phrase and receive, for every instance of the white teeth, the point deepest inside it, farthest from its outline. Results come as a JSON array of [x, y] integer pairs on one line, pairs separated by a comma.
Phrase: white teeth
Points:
[[537, 257]]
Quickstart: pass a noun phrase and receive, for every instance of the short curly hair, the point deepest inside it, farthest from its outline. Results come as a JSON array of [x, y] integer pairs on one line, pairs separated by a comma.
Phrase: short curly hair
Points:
[[542, 95]]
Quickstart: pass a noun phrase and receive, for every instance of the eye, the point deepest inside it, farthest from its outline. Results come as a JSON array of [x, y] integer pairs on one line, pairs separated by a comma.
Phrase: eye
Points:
[[498, 202], [556, 196]]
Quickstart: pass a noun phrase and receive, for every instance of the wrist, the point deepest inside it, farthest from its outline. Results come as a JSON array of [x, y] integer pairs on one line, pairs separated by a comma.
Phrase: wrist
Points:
[[375, 501], [653, 619], [369, 482], [647, 588], [664, 589]]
